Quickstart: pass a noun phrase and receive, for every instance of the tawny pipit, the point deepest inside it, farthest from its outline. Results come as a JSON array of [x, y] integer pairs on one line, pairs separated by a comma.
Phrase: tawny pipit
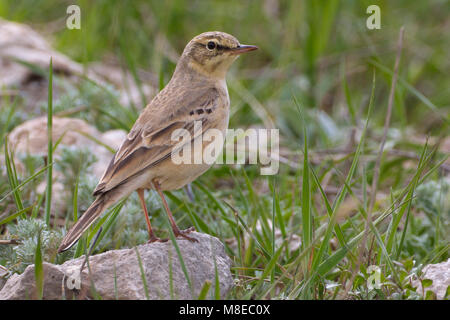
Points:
[[196, 92]]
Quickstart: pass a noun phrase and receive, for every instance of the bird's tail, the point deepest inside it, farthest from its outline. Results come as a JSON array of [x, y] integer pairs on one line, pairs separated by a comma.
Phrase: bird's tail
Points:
[[92, 213]]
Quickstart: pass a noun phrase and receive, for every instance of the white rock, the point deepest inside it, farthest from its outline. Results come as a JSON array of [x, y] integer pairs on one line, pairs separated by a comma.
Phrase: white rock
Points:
[[440, 275], [30, 137], [19, 42], [116, 274]]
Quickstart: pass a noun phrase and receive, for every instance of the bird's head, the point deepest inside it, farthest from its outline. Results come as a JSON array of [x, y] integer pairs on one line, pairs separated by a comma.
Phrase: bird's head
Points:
[[212, 53]]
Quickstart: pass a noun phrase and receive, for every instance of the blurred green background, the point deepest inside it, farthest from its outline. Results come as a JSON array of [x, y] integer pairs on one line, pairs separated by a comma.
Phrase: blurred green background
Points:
[[319, 52], [305, 47]]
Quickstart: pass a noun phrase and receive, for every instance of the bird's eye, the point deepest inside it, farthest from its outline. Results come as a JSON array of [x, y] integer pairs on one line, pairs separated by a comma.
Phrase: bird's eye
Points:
[[211, 45]]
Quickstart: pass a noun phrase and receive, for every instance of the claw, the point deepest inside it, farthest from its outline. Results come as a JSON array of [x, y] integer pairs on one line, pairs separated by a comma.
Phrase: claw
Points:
[[156, 239], [188, 230], [182, 233]]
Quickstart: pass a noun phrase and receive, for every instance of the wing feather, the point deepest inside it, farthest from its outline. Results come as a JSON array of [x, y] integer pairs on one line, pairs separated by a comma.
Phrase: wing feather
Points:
[[146, 145]]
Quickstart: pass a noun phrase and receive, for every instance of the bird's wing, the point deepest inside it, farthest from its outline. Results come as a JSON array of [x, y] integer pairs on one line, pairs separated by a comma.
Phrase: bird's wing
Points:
[[150, 140]]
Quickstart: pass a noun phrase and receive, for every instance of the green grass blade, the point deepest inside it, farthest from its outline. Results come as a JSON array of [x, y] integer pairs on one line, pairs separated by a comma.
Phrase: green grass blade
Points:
[[4, 128], [94, 139], [204, 291], [348, 97], [128, 115], [273, 226], [171, 288], [75, 200], [144, 278], [306, 191], [12, 177], [341, 195], [48, 194], [15, 215], [250, 233], [116, 291], [131, 66], [81, 247], [38, 205], [17, 188], [217, 281], [278, 213], [267, 271], [328, 264], [211, 197], [405, 207], [39, 269], [180, 256], [412, 90], [110, 219], [198, 222]]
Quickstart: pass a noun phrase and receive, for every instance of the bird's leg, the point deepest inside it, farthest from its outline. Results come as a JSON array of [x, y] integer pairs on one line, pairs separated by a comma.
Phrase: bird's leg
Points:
[[176, 230], [152, 237]]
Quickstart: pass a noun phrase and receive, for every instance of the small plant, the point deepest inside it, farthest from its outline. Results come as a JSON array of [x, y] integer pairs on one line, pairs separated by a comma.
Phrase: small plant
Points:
[[17, 257]]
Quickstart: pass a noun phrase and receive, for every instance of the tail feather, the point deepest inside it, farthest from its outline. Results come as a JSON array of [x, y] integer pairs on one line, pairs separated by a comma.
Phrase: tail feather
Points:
[[91, 214]]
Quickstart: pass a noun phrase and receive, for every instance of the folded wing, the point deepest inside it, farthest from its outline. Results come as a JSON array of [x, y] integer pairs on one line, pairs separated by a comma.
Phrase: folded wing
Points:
[[146, 146]]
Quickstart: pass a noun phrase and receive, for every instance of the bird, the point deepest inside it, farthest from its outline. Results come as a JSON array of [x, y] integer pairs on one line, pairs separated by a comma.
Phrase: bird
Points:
[[196, 92]]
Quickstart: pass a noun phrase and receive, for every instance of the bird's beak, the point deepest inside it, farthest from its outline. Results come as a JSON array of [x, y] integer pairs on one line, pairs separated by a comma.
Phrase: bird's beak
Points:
[[243, 48]]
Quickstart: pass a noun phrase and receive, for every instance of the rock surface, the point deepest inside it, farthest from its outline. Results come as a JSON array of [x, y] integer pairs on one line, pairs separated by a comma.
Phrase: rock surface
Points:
[[19, 42], [116, 274], [3, 273], [440, 275], [30, 137]]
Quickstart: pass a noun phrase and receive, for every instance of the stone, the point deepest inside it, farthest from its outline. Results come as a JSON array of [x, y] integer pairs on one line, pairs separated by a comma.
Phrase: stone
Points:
[[439, 273], [30, 138], [116, 274], [23, 287], [4, 272], [20, 42]]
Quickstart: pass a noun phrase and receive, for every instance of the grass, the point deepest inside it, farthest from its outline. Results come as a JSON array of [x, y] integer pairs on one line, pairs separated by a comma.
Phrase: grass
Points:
[[39, 270], [144, 278], [48, 193], [354, 192]]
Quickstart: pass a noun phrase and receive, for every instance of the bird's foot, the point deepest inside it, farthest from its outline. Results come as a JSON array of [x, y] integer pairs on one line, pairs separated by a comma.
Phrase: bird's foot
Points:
[[183, 234], [156, 239]]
